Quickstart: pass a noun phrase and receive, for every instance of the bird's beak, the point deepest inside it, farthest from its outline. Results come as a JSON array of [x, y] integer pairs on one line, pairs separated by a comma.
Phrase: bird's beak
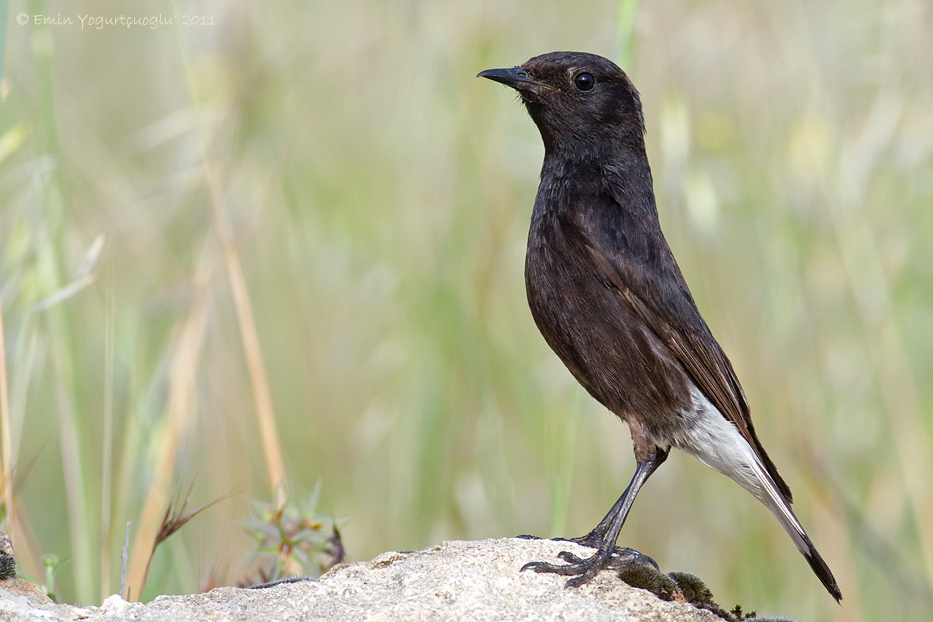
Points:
[[516, 77]]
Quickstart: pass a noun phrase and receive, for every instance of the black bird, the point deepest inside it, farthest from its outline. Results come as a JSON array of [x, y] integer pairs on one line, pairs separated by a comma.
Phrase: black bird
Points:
[[610, 300]]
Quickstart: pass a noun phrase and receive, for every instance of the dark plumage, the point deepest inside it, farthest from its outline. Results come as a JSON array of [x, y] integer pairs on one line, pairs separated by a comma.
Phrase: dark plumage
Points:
[[610, 300]]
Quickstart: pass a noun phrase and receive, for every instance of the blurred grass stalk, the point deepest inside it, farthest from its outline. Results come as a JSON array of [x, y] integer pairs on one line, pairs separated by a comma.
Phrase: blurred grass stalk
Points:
[[9, 142], [265, 415], [106, 497], [187, 349], [191, 343], [50, 244], [6, 444]]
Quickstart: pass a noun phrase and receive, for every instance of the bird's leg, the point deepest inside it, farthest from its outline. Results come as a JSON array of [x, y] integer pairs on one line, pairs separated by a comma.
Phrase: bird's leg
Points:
[[604, 536], [595, 538]]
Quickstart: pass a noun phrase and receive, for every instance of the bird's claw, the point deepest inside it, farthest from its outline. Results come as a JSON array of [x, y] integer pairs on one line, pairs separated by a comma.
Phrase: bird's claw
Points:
[[625, 557], [550, 568], [569, 557], [582, 570], [620, 556]]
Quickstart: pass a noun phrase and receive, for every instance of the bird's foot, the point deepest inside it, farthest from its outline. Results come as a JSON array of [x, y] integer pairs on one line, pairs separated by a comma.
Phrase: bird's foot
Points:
[[582, 570], [594, 540]]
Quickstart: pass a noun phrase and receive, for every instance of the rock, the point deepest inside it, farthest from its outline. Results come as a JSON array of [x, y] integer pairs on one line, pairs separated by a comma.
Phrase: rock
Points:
[[22, 600], [448, 582]]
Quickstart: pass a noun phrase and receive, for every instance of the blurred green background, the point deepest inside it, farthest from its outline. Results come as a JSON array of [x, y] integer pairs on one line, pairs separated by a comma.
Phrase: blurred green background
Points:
[[339, 164]]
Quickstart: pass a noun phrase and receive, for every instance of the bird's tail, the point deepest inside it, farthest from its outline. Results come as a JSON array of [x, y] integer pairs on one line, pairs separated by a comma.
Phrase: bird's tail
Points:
[[767, 492], [718, 443]]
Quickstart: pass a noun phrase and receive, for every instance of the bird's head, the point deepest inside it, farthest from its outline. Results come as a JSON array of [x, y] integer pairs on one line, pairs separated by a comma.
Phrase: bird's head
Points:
[[579, 101]]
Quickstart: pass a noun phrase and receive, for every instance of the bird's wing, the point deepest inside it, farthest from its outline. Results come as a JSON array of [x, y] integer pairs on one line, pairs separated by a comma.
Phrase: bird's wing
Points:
[[655, 289]]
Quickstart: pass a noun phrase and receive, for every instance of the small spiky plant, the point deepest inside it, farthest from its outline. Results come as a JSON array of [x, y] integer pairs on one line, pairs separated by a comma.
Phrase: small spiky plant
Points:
[[298, 540]]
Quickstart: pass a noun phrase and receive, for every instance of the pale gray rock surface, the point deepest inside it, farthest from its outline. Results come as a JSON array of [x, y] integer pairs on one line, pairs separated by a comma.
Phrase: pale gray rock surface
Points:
[[469, 581]]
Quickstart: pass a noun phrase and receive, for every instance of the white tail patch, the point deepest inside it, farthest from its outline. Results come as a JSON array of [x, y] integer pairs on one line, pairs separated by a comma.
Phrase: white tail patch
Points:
[[716, 442]]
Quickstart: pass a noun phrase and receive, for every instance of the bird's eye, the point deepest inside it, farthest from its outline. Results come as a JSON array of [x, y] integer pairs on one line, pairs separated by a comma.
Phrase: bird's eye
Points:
[[584, 81]]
